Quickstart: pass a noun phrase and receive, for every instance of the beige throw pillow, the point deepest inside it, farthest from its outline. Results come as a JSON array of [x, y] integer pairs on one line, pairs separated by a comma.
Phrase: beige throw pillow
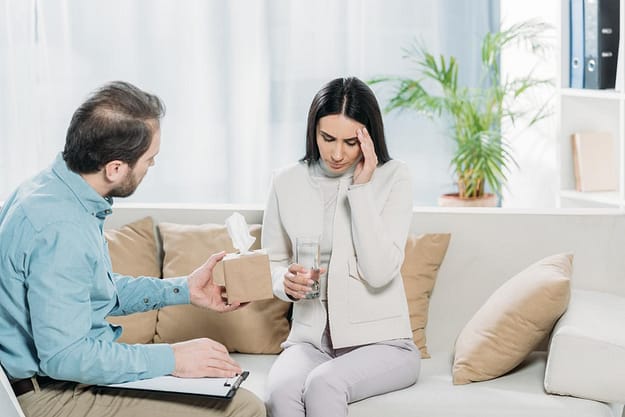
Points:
[[133, 252], [260, 327], [423, 257], [513, 321]]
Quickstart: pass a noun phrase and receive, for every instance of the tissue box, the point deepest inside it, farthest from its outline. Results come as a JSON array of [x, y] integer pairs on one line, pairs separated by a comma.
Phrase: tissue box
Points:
[[246, 277]]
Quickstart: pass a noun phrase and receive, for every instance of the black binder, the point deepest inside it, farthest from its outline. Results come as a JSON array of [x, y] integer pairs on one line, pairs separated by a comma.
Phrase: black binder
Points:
[[601, 35]]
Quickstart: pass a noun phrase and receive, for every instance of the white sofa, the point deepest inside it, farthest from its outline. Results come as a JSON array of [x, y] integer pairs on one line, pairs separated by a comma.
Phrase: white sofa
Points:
[[487, 247]]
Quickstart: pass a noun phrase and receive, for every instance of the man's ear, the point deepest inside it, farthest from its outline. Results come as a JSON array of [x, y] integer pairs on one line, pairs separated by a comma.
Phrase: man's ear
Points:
[[114, 171]]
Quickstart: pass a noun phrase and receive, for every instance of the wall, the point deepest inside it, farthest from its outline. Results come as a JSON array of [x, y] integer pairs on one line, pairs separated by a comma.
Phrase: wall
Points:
[[534, 183]]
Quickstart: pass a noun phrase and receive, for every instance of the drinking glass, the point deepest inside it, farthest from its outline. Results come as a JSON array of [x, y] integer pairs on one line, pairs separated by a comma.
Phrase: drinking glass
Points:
[[307, 255]]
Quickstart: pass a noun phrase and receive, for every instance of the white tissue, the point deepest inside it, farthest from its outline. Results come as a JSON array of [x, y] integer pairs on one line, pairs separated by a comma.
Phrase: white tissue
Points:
[[239, 233]]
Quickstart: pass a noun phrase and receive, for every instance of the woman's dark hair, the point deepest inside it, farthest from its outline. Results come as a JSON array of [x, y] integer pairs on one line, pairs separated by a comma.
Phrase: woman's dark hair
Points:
[[116, 122], [354, 99]]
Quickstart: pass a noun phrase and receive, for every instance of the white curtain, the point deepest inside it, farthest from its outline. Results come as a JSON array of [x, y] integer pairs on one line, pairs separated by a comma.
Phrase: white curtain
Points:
[[236, 76]]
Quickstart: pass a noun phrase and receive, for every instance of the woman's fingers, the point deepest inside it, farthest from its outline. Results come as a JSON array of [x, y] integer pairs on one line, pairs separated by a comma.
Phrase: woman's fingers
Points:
[[297, 285], [367, 146], [297, 281], [365, 168]]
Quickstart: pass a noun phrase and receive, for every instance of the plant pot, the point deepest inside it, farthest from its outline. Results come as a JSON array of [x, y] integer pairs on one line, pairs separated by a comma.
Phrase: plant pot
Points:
[[453, 200]]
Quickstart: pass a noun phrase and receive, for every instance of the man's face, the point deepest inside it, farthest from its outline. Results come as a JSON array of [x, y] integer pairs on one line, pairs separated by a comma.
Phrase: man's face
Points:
[[135, 175]]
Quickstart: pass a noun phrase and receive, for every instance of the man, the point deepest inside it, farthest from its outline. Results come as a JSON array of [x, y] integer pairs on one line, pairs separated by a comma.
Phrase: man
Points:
[[57, 287]]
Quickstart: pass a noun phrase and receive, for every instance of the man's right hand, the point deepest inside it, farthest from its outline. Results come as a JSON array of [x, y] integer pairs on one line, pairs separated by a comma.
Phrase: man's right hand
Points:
[[203, 358]]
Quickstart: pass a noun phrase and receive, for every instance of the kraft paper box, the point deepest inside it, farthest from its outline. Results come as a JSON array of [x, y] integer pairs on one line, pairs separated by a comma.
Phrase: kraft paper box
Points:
[[246, 277]]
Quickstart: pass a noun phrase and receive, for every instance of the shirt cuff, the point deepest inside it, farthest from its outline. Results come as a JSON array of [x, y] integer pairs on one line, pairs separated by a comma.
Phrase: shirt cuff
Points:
[[357, 186], [278, 283], [161, 360], [359, 194], [176, 291]]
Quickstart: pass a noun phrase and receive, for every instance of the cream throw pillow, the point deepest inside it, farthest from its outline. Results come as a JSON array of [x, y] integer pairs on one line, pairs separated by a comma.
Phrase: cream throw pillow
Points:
[[260, 327], [513, 321], [423, 257], [133, 252]]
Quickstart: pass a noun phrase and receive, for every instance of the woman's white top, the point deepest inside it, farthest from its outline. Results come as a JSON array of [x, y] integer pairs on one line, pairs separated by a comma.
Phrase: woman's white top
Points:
[[370, 222], [329, 185]]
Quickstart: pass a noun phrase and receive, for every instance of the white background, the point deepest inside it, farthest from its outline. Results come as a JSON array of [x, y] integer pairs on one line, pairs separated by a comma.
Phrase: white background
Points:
[[237, 78]]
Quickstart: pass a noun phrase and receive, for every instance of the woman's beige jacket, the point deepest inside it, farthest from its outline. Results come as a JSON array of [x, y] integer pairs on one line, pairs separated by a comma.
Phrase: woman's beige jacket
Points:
[[366, 300]]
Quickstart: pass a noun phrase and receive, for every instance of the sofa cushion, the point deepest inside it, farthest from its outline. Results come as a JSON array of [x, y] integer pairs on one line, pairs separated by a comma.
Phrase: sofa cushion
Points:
[[514, 319], [133, 252], [587, 349], [423, 257], [517, 394], [259, 327]]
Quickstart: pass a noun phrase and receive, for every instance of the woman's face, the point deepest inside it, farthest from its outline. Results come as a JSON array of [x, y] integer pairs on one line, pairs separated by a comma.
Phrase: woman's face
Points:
[[338, 142]]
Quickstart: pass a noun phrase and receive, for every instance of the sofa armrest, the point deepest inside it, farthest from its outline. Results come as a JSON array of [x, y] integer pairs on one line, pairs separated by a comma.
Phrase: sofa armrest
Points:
[[587, 349]]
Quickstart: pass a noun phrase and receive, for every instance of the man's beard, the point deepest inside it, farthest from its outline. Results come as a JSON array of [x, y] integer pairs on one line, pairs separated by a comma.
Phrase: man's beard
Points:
[[128, 187]]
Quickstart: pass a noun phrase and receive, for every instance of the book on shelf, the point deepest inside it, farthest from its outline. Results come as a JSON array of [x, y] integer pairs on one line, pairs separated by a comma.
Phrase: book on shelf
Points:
[[594, 161]]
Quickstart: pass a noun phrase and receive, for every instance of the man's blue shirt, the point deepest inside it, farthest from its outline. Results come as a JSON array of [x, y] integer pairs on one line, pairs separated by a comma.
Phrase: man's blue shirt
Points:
[[57, 287]]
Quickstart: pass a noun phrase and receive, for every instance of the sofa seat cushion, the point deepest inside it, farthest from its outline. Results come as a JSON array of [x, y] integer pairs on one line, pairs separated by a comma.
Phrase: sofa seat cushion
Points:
[[587, 349], [519, 393]]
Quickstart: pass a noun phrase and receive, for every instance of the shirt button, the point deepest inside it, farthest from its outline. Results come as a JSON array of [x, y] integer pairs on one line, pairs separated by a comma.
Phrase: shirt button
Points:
[[176, 290], [146, 300]]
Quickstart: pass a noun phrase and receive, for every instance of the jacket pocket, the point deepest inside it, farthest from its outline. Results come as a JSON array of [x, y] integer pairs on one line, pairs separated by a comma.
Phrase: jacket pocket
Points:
[[367, 304]]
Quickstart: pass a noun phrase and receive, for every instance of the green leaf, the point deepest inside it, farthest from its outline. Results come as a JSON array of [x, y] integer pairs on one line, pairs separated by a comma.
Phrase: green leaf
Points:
[[477, 115]]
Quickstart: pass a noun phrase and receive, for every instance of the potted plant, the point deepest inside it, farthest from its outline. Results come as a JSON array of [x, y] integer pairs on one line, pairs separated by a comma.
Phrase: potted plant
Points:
[[479, 117]]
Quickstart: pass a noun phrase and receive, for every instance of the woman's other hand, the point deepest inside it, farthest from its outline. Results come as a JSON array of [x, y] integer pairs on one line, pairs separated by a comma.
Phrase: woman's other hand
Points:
[[369, 162]]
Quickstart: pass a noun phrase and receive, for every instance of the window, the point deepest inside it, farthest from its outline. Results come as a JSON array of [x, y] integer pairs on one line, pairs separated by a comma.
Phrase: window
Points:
[[237, 78]]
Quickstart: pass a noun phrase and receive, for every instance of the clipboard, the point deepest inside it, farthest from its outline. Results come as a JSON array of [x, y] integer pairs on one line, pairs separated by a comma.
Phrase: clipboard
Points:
[[223, 388]]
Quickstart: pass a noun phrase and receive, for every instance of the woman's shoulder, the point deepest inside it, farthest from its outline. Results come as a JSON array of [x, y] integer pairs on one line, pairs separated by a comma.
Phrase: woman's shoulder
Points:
[[293, 172], [395, 168], [291, 169]]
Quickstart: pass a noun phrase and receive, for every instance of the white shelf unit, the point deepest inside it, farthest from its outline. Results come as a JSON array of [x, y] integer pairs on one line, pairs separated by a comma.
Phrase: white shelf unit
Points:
[[582, 110]]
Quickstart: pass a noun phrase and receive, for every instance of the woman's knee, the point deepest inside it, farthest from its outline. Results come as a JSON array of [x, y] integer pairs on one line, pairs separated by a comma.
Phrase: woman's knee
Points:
[[284, 395], [322, 384]]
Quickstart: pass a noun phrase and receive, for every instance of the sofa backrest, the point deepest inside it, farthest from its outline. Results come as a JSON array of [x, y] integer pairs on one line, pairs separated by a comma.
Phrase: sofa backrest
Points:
[[487, 247]]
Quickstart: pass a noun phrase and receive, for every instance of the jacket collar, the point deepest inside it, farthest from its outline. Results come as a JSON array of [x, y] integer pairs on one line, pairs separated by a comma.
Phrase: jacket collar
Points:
[[93, 202]]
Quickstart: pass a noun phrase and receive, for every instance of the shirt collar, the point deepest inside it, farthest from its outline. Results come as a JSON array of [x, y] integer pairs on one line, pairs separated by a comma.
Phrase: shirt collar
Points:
[[93, 202], [320, 169]]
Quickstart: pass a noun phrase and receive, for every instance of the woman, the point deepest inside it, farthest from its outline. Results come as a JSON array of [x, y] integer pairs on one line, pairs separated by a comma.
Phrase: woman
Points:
[[355, 340]]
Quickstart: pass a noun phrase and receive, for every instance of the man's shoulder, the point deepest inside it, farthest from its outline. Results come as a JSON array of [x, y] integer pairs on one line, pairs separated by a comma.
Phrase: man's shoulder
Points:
[[42, 202]]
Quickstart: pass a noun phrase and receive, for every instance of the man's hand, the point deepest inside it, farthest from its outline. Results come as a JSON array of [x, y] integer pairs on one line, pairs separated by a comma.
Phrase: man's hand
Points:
[[204, 292], [199, 358]]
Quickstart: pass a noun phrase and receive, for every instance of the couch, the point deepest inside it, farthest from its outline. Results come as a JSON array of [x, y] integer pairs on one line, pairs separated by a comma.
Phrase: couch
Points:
[[486, 248]]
